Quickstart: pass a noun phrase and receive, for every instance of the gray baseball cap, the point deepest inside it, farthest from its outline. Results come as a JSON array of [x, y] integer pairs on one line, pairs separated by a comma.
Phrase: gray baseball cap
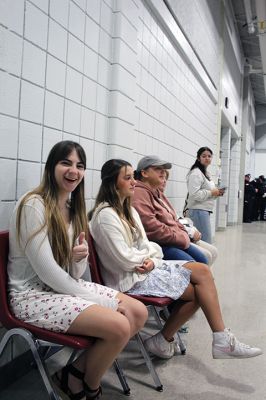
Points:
[[152, 161]]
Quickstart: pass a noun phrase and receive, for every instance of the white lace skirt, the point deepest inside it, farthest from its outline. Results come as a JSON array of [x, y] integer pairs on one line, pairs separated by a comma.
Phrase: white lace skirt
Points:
[[169, 280]]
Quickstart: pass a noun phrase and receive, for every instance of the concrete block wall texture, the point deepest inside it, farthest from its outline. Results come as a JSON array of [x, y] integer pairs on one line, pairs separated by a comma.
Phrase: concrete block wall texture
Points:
[[203, 24], [55, 67], [260, 143], [176, 116], [232, 81], [260, 163], [252, 149], [247, 128], [234, 182], [107, 74], [225, 176]]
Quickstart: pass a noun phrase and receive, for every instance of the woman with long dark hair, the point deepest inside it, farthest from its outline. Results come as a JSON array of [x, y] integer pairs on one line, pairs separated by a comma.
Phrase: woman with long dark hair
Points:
[[48, 256], [202, 193], [133, 264]]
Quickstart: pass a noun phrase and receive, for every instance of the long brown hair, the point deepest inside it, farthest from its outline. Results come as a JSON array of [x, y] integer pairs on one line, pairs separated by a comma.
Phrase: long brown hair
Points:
[[108, 192], [48, 191], [197, 163]]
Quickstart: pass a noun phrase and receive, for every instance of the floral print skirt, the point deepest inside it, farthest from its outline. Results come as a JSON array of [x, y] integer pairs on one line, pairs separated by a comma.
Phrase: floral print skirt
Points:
[[39, 305], [169, 280]]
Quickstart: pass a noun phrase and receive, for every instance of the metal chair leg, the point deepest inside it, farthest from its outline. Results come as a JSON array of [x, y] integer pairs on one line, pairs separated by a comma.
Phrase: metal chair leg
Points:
[[148, 361], [34, 346], [157, 317], [122, 378]]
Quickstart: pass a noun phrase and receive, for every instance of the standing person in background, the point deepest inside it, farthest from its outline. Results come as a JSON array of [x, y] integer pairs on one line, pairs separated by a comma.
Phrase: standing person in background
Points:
[[47, 257], [259, 201], [249, 199], [263, 197], [158, 216], [207, 249], [202, 193]]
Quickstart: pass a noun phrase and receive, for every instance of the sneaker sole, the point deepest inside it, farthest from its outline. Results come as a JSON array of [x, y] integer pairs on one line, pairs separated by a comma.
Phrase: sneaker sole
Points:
[[159, 355], [223, 356], [154, 353]]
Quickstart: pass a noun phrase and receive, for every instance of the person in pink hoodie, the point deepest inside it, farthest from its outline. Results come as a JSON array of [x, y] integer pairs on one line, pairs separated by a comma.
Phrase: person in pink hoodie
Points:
[[157, 214]]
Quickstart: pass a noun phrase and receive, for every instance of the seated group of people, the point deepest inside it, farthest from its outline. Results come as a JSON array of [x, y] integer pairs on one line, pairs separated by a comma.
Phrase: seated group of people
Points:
[[143, 250]]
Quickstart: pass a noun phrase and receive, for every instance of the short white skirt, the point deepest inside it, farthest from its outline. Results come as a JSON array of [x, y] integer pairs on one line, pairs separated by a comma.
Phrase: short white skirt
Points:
[[169, 280], [39, 305]]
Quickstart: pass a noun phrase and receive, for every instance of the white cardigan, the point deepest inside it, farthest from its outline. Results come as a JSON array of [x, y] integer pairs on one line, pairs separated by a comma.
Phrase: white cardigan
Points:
[[33, 259], [199, 191], [119, 251]]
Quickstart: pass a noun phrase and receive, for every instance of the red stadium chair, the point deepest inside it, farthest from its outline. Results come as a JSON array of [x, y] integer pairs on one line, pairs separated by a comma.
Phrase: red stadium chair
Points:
[[37, 338]]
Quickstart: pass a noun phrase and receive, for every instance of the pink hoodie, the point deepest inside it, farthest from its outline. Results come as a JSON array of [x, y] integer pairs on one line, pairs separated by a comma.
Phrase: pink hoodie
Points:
[[159, 217]]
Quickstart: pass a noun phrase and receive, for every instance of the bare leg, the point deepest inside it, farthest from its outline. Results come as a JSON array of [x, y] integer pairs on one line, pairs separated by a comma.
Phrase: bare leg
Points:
[[182, 312], [206, 294], [200, 293], [113, 331]]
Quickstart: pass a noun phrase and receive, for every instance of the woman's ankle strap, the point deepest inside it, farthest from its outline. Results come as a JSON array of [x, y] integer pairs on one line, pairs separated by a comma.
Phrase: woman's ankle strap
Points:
[[92, 394], [74, 371]]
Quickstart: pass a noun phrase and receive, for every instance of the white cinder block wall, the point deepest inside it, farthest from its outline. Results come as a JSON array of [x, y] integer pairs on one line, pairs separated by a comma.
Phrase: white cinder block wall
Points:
[[55, 67], [260, 144], [175, 114], [112, 75], [232, 121], [250, 139], [260, 163], [225, 176]]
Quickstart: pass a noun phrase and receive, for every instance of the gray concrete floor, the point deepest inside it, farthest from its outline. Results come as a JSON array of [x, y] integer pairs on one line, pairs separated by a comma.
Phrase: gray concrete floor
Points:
[[240, 275]]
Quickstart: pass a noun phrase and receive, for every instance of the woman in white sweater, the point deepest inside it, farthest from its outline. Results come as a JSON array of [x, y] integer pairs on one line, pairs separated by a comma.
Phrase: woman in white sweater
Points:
[[133, 264], [207, 249], [48, 256], [202, 193]]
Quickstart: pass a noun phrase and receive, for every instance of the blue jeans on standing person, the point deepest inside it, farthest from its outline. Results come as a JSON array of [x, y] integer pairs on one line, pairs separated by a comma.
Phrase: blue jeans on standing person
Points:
[[201, 220], [192, 253]]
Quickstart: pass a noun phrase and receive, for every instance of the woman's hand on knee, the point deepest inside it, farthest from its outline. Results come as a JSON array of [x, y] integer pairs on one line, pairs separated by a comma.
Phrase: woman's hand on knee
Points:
[[135, 311]]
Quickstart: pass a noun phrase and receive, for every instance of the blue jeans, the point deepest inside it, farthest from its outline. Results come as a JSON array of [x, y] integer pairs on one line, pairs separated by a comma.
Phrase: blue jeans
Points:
[[201, 220], [192, 253]]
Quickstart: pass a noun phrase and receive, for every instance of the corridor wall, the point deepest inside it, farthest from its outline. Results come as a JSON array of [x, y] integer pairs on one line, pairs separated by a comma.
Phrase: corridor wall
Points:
[[118, 76]]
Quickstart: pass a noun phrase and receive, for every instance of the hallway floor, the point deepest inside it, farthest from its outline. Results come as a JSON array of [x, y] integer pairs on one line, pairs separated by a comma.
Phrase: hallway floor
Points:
[[240, 275]]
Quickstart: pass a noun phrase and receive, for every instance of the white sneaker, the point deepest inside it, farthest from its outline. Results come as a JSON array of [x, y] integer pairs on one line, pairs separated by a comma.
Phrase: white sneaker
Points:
[[226, 345], [159, 346], [176, 346]]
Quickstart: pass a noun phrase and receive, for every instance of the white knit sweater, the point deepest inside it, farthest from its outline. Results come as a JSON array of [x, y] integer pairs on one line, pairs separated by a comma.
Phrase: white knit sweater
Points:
[[199, 190], [119, 251], [33, 259]]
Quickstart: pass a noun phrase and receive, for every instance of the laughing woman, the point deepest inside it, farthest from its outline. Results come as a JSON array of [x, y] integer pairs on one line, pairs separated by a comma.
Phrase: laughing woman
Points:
[[48, 255], [133, 264]]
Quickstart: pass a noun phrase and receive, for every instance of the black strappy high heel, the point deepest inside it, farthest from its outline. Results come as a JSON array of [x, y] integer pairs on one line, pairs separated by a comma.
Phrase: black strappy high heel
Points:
[[63, 382], [92, 394]]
